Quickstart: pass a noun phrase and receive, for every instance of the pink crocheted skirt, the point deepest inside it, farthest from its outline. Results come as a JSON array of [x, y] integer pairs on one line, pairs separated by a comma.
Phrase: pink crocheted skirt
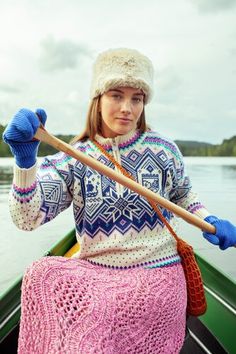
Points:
[[70, 306]]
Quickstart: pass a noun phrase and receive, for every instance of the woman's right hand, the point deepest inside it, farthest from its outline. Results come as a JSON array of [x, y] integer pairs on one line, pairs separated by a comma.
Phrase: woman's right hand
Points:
[[19, 134]]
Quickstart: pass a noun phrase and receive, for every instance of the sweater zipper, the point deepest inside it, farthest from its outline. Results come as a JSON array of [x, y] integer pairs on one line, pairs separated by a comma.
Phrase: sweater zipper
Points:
[[116, 154]]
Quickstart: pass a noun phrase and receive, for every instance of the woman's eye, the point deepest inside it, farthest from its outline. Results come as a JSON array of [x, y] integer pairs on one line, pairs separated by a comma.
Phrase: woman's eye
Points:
[[137, 99], [116, 96]]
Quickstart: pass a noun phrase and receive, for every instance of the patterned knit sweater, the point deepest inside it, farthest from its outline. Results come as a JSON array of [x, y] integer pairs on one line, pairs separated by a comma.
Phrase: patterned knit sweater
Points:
[[115, 227]]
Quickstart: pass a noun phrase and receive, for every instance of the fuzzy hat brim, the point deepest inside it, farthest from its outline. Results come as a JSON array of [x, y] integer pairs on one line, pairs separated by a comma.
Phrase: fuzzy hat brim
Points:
[[122, 67]]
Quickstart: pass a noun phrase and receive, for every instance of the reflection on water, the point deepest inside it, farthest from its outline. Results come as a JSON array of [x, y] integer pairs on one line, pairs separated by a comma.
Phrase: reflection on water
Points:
[[6, 174], [4, 190]]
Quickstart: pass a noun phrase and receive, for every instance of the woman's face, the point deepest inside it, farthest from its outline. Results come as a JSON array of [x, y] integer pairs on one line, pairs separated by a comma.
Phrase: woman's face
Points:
[[120, 110]]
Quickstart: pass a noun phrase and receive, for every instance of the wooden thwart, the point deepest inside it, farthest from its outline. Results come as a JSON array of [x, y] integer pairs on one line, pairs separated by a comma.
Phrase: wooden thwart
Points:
[[46, 137]]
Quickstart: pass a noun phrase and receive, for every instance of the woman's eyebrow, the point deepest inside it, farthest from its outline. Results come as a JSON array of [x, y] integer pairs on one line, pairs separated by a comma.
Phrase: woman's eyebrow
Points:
[[120, 91], [139, 93], [116, 90]]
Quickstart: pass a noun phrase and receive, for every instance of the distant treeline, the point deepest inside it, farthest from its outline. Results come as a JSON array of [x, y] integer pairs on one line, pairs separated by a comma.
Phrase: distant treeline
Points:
[[195, 148], [188, 148]]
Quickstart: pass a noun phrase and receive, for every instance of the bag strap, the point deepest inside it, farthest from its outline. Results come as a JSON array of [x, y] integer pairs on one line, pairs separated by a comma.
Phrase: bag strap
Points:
[[127, 174]]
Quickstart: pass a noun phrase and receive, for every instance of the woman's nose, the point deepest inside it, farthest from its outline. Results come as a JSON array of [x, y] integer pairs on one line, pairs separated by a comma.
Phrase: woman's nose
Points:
[[126, 106]]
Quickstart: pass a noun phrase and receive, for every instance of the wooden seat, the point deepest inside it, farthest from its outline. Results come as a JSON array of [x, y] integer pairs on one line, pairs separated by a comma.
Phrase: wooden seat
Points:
[[72, 250]]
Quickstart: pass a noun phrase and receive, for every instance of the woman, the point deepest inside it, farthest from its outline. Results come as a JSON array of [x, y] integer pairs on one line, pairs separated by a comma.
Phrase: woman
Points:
[[125, 291]]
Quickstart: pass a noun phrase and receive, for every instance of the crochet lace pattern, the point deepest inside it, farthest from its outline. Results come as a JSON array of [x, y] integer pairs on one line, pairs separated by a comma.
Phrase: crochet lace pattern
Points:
[[71, 306]]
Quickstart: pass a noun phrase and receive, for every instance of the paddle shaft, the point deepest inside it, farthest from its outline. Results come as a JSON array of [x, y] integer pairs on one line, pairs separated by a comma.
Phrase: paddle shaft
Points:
[[46, 137]]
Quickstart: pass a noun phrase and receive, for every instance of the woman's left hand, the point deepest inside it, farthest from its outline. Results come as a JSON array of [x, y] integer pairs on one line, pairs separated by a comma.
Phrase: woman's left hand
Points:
[[225, 235]]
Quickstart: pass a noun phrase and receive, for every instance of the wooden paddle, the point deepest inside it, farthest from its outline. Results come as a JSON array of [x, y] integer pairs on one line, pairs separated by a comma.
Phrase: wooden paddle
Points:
[[43, 135]]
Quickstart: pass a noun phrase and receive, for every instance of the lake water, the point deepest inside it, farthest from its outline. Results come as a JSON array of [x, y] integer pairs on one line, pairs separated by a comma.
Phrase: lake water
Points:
[[213, 178]]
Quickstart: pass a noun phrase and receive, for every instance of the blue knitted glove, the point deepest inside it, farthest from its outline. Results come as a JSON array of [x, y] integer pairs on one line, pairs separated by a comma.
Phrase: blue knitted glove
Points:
[[225, 235], [19, 134]]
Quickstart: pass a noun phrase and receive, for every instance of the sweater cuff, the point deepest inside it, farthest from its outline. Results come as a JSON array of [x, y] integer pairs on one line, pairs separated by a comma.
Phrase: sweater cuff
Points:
[[202, 213], [24, 177]]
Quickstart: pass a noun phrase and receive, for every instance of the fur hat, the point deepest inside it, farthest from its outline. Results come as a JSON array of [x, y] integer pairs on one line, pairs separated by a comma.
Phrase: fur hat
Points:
[[122, 67]]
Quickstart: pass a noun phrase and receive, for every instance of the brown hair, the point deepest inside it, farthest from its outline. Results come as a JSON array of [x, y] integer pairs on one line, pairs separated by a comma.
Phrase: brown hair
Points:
[[93, 122]]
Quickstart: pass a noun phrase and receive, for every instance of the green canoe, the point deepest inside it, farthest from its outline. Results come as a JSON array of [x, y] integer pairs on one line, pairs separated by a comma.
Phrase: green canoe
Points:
[[214, 332]]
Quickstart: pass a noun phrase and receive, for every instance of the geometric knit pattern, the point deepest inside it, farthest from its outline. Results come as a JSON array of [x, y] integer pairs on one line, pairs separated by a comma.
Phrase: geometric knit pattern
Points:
[[72, 307], [115, 226]]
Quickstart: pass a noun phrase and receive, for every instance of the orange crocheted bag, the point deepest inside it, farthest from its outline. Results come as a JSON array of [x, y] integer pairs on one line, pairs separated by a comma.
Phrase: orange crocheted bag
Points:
[[196, 300]]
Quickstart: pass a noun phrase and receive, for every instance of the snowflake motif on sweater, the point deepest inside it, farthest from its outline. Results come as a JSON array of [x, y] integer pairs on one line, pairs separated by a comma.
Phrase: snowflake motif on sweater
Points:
[[115, 226]]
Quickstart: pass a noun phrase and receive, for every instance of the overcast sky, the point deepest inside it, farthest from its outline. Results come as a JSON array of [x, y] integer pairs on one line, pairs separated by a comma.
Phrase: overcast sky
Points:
[[47, 49]]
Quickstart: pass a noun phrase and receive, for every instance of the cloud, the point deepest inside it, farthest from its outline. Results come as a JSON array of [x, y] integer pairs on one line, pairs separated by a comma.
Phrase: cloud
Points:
[[47, 62], [208, 6], [61, 54], [232, 51], [5, 88], [167, 84]]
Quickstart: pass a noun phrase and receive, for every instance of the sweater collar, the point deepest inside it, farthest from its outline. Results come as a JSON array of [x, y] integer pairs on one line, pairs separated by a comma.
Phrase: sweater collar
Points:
[[119, 139]]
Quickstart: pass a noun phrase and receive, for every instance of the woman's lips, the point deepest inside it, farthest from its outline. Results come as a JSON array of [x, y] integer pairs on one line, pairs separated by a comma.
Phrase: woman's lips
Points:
[[124, 119]]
